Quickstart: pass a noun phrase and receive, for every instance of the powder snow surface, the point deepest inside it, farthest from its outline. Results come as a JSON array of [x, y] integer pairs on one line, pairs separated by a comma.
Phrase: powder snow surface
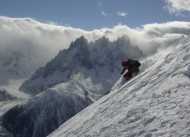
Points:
[[156, 103]]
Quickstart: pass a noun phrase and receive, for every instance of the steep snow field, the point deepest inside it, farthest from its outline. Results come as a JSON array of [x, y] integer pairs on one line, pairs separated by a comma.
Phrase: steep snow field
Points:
[[156, 103]]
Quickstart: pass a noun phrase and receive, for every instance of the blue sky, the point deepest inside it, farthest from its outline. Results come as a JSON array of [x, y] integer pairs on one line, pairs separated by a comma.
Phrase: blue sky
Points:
[[90, 14]]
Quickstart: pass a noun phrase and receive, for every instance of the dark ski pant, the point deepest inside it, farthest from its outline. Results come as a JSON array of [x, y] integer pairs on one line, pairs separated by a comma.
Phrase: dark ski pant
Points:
[[130, 74]]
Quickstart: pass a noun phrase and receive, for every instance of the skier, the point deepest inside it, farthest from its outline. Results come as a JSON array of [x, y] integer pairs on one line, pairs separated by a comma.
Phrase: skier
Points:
[[130, 68]]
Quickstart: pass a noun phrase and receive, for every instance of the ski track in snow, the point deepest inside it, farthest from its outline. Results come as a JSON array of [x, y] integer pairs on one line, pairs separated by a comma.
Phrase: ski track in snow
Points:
[[156, 103]]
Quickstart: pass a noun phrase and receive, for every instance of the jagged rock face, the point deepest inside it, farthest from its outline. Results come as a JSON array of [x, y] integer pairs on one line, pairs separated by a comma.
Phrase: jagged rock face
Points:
[[42, 114], [98, 61]]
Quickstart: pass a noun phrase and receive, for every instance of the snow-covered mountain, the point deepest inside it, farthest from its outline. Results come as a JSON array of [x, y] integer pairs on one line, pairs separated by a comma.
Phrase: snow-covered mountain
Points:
[[58, 103], [42, 114], [81, 73], [77, 76], [156, 103], [94, 65]]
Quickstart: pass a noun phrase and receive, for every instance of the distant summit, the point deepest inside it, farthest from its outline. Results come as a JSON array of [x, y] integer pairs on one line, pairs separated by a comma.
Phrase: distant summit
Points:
[[95, 65]]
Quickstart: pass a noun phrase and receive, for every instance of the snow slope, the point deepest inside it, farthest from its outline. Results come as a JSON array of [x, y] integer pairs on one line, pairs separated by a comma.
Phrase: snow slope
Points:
[[156, 103]]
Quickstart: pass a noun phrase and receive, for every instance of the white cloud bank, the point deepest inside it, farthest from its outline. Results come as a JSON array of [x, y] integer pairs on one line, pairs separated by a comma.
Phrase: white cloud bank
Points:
[[177, 6], [26, 44]]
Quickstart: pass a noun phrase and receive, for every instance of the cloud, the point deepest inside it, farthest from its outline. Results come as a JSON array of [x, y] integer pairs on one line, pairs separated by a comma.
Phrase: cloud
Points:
[[26, 44], [121, 14], [103, 13], [178, 6]]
